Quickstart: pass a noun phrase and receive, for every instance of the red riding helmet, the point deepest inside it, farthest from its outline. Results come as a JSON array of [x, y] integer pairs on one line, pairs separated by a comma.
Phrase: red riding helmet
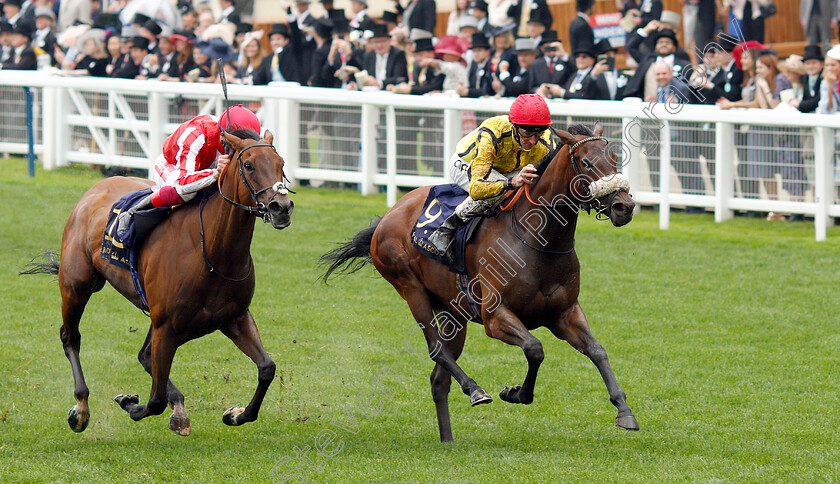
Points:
[[529, 110], [240, 117]]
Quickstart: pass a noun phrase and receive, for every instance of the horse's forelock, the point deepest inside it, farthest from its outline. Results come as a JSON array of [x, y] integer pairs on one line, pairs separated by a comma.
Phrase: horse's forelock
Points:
[[581, 129], [246, 133]]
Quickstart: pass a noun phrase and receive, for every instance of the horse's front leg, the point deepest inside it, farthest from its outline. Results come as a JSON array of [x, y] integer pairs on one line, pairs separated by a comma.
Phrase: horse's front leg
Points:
[[244, 334], [503, 325], [573, 327], [163, 348]]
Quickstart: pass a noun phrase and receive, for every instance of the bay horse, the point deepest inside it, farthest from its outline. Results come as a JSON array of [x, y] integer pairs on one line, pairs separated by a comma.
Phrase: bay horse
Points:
[[522, 267], [196, 270]]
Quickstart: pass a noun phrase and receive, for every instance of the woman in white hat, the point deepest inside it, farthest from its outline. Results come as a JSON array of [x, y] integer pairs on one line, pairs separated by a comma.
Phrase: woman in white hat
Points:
[[831, 72]]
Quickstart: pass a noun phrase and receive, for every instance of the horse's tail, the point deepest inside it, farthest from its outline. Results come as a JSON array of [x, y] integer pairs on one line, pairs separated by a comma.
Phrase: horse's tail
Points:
[[351, 255], [47, 265]]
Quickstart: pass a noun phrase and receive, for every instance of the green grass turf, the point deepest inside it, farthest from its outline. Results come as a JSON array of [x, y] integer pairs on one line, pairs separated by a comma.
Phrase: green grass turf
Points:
[[724, 336]]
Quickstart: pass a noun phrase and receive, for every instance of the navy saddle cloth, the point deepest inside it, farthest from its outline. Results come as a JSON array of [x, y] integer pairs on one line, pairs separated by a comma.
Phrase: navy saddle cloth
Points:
[[439, 205], [123, 249]]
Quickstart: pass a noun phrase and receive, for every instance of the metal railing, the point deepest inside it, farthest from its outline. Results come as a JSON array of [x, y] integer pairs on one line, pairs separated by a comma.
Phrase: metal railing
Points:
[[674, 155]]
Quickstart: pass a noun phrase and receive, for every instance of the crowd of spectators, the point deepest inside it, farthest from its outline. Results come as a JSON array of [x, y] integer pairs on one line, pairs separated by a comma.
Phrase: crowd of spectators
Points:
[[503, 48]]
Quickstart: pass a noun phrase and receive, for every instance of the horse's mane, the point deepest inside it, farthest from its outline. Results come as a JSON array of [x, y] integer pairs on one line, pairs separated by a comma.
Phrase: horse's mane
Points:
[[579, 129], [241, 133]]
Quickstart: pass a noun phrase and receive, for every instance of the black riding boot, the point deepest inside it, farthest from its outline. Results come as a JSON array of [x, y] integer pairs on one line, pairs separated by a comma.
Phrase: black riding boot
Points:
[[125, 217]]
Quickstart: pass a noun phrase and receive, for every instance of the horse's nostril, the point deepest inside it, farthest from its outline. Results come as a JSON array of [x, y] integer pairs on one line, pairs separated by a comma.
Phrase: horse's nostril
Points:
[[619, 207]]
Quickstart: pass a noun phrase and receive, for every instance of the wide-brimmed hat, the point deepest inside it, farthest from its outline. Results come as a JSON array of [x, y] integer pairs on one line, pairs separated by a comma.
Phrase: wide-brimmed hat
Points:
[[217, 48], [503, 29], [479, 41], [813, 51], [793, 64], [452, 45], [98, 36], [740, 48], [423, 45], [250, 37], [834, 53]]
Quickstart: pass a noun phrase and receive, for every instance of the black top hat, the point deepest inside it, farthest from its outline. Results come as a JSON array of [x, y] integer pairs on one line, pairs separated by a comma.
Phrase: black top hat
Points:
[[584, 48], [548, 37], [243, 27], [479, 5], [726, 43], [540, 16], [16, 3], [5, 26], [584, 5], [423, 45], [389, 17], [323, 27], [813, 52], [666, 34], [140, 43], [24, 28], [380, 31], [281, 29], [479, 41], [339, 20], [603, 46], [140, 19], [153, 27]]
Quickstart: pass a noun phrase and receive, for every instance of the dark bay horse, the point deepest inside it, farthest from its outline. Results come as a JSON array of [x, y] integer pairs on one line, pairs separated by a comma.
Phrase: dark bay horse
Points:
[[196, 269], [522, 267]]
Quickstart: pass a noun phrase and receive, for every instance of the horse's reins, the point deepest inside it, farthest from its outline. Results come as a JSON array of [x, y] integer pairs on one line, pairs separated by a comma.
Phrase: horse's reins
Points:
[[526, 189], [260, 209]]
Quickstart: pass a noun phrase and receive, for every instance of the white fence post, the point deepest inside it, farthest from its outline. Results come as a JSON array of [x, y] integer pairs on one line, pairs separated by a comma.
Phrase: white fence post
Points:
[[452, 133], [391, 154], [631, 153], [823, 178], [665, 175], [370, 117], [724, 170], [49, 116], [61, 141], [158, 117], [285, 113]]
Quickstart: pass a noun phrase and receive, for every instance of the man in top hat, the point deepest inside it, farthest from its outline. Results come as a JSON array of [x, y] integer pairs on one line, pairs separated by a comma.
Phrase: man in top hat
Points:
[[6, 48], [390, 19], [11, 11], [467, 26], [44, 37], [341, 26], [23, 55], [386, 65], [556, 59], [583, 85], [522, 11], [130, 69], [424, 78], [150, 30], [812, 79], [530, 75], [479, 72], [643, 82], [479, 9], [229, 13], [284, 61], [580, 32], [615, 79]]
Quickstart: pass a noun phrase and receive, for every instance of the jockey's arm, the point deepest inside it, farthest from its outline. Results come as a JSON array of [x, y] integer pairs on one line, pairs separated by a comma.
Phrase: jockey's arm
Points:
[[481, 187]]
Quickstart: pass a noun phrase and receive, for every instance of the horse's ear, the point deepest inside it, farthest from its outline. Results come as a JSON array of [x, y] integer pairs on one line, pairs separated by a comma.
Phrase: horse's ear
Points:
[[269, 138], [233, 140], [598, 129], [567, 137]]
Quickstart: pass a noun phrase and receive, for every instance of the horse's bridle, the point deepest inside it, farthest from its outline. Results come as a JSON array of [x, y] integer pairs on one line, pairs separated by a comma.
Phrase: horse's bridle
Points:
[[261, 209], [592, 202]]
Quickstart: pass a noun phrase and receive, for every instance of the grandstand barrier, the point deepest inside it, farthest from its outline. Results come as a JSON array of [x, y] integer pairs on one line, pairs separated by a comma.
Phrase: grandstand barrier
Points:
[[675, 155]]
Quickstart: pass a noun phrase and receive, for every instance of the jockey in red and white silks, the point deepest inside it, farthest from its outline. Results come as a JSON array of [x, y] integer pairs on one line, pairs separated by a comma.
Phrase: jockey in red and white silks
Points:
[[185, 166]]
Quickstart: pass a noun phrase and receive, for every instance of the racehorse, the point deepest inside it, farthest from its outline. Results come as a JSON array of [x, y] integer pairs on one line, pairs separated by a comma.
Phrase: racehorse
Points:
[[196, 269], [522, 268]]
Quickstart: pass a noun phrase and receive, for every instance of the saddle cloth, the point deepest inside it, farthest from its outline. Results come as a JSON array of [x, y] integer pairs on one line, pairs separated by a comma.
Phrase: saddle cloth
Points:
[[440, 205]]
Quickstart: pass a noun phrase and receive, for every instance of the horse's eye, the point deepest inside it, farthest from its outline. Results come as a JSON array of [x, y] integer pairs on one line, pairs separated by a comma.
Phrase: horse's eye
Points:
[[248, 165]]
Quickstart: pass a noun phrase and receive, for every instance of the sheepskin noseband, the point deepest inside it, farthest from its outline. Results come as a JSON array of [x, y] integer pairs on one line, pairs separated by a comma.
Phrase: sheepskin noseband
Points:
[[609, 184]]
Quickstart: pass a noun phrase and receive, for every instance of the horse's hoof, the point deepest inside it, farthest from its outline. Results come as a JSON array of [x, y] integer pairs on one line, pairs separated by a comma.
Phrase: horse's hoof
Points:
[[124, 400], [514, 395], [76, 422], [180, 425], [479, 396], [627, 422], [231, 416]]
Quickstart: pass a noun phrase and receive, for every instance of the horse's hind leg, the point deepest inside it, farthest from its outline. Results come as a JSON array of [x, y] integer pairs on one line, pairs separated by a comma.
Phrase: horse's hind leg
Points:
[[179, 422], [503, 325], [441, 381], [76, 283], [244, 334], [574, 328]]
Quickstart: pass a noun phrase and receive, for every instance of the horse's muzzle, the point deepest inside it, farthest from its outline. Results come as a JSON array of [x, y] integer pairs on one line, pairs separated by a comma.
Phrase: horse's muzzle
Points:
[[621, 209], [280, 213]]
